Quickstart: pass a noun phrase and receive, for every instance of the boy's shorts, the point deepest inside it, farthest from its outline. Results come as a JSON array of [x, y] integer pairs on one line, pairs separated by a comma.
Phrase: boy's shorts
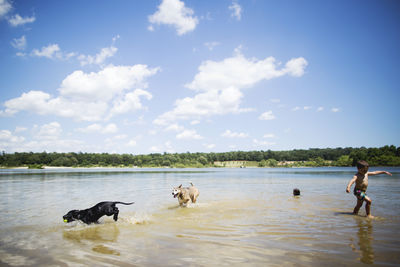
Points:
[[359, 194]]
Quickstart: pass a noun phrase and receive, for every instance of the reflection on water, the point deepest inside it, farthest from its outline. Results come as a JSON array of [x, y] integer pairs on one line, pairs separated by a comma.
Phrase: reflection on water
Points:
[[363, 244], [242, 217], [100, 232], [94, 235], [365, 239]]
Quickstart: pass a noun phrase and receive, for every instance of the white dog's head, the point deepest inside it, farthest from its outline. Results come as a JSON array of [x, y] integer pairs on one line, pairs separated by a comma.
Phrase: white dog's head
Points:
[[176, 191]]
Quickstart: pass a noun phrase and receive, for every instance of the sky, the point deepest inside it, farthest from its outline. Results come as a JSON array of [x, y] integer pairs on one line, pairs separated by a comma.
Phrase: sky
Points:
[[178, 76]]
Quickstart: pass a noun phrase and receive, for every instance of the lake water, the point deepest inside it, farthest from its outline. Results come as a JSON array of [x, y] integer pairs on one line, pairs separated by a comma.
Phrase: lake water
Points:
[[244, 217]]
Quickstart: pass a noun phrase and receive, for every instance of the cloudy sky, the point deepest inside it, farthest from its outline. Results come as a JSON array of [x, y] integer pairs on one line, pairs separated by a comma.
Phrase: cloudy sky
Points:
[[200, 76]]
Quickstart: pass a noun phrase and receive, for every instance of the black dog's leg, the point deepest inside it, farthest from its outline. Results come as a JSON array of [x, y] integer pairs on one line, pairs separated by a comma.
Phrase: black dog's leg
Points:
[[116, 211]]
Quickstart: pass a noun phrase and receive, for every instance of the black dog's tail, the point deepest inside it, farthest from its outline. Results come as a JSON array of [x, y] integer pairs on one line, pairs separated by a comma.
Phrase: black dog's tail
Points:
[[119, 202]]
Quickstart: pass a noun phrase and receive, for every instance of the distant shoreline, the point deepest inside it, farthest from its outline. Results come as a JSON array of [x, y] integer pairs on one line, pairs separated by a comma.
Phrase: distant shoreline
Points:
[[313, 157], [164, 167]]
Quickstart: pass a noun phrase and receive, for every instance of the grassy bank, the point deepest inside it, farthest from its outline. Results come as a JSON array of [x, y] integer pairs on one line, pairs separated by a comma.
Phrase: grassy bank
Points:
[[216, 164]]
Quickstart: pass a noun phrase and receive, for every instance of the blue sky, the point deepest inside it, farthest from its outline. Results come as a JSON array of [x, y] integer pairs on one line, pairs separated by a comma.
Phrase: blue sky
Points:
[[200, 76]]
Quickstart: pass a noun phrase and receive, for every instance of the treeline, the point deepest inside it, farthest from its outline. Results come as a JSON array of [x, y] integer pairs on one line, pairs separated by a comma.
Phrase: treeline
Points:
[[383, 156]]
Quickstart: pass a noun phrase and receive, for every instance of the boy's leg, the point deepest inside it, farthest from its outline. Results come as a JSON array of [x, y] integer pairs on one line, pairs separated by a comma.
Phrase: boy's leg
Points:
[[358, 206], [368, 203]]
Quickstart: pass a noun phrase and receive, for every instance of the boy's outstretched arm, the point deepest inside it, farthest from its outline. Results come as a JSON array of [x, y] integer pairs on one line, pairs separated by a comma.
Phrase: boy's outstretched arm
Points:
[[379, 172], [352, 181]]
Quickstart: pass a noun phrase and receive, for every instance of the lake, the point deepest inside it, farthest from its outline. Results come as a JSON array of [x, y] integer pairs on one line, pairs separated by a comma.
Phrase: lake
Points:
[[243, 217]]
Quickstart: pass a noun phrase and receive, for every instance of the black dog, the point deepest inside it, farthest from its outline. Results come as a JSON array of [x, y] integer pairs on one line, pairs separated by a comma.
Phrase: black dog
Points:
[[93, 214]]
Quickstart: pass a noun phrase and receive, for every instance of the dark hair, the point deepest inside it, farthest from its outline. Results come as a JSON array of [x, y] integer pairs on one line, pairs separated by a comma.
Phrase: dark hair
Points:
[[361, 164], [296, 192]]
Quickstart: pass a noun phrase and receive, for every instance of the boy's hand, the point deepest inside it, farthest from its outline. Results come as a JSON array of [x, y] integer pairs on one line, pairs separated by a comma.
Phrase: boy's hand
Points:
[[388, 173], [347, 190]]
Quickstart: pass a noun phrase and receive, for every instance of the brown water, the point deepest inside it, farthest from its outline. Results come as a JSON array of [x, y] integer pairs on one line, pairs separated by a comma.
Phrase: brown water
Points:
[[243, 217]]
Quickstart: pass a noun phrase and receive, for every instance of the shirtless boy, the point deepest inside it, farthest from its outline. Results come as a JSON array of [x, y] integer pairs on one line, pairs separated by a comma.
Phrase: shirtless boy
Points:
[[361, 180]]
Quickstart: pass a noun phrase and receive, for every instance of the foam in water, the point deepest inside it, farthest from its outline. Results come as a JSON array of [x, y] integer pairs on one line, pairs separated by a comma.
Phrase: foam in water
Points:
[[137, 218]]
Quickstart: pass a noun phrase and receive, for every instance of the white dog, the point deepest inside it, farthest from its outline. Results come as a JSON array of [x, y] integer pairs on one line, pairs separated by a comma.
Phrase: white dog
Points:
[[185, 194]]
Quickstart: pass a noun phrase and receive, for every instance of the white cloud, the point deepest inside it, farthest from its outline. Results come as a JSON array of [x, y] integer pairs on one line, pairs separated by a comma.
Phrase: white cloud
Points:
[[51, 51], [211, 45], [49, 145], [110, 128], [219, 86], [115, 143], [303, 108], [120, 137], [132, 143], [189, 134], [20, 54], [236, 10], [50, 131], [266, 116], [98, 128], [19, 129], [262, 143], [130, 102], [205, 104], [320, 109], [7, 137], [98, 58], [155, 149], [296, 66], [174, 12], [136, 121], [269, 136], [237, 71], [34, 101], [115, 38], [153, 132], [168, 147], [89, 96], [275, 100], [230, 134], [19, 43], [46, 137], [209, 146], [105, 84], [17, 20], [42, 104], [335, 110], [93, 128], [5, 7], [174, 127]]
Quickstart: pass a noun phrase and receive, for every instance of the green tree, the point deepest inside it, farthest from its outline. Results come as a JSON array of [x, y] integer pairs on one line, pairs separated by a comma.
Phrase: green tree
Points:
[[344, 161], [203, 160], [272, 162], [262, 163]]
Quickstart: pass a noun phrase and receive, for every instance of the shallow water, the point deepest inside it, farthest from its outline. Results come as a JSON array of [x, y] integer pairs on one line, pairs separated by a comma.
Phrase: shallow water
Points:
[[243, 217]]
